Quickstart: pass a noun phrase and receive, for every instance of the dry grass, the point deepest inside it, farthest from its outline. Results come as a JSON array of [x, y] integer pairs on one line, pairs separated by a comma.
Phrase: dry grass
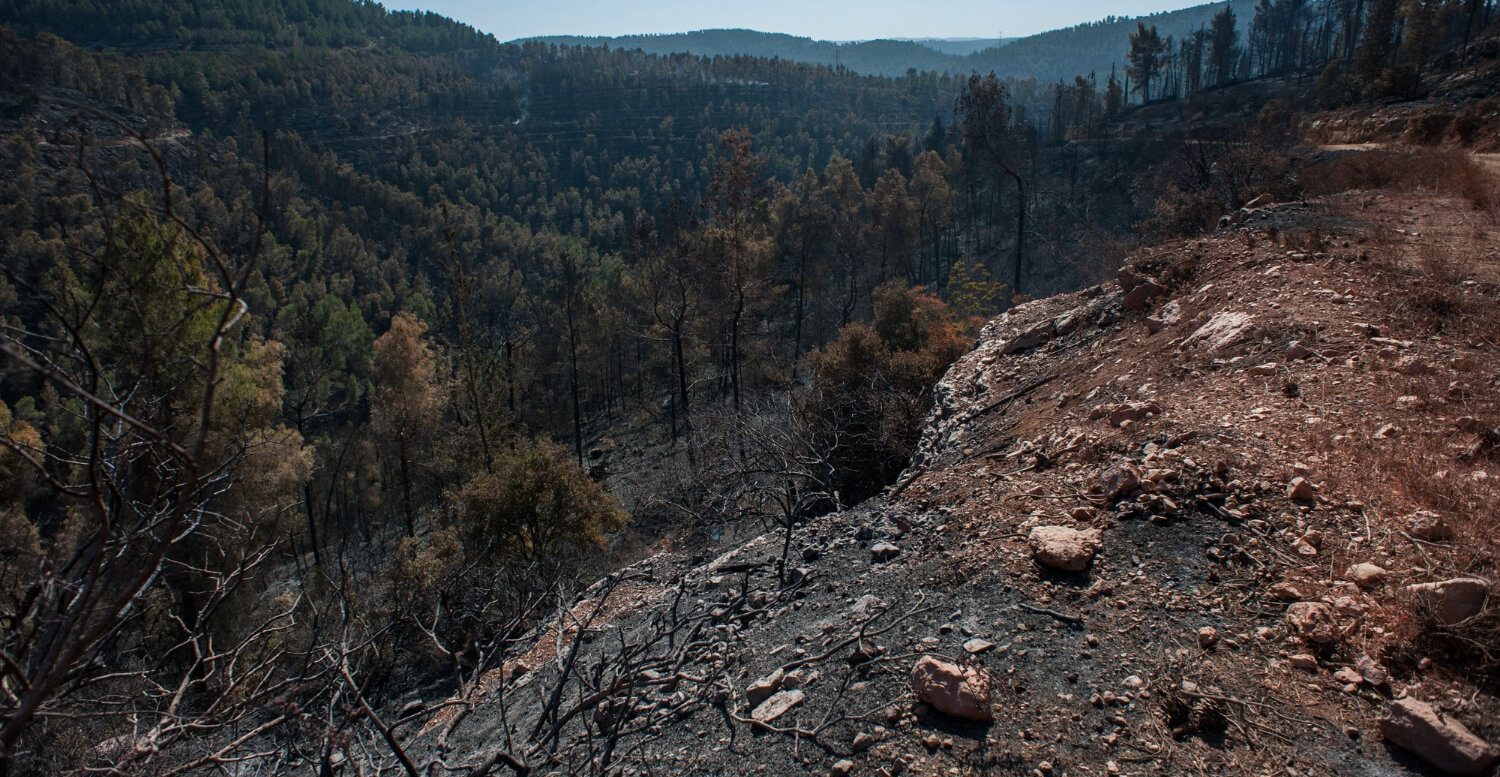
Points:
[[1443, 171]]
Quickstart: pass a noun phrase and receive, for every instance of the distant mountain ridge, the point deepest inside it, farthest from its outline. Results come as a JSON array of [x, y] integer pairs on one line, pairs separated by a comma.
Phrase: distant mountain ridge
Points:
[[1092, 47]]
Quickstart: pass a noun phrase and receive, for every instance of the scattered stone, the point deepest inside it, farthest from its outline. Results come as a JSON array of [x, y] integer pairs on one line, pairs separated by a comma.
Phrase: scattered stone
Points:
[[762, 689], [1283, 592], [1120, 480], [841, 767], [1300, 489], [1437, 739], [1133, 412], [1208, 636], [1304, 661], [1429, 526], [1366, 575], [1312, 621], [1348, 675], [1296, 351], [977, 646], [1030, 338], [1387, 432], [1140, 297], [862, 741], [811, 554], [1266, 370], [1309, 543], [801, 678], [963, 692], [884, 551], [1413, 366], [1064, 548], [1451, 601], [779, 704], [1168, 315], [1372, 672]]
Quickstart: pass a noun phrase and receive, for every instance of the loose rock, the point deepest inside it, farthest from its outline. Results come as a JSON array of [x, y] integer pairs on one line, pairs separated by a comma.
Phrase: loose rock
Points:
[[1064, 548], [963, 692], [1437, 739], [1451, 601], [1312, 621], [761, 689], [1301, 490], [779, 704], [1120, 480], [1366, 575]]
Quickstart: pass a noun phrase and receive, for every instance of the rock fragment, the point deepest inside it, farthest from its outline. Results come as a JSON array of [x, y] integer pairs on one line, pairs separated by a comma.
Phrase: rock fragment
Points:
[[1120, 480], [762, 689], [1366, 575], [1429, 526], [1064, 548], [884, 551], [963, 692], [1312, 621], [1300, 489], [1437, 739], [779, 704], [1451, 601]]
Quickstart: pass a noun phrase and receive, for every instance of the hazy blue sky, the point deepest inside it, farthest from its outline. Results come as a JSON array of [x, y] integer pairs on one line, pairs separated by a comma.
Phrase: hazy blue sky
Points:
[[837, 20]]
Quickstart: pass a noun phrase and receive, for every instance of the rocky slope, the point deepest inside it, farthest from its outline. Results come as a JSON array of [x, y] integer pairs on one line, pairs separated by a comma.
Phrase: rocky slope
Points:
[[1234, 513]]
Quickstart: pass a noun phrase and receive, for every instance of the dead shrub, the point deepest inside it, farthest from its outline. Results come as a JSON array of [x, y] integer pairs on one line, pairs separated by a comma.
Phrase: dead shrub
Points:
[[1428, 127]]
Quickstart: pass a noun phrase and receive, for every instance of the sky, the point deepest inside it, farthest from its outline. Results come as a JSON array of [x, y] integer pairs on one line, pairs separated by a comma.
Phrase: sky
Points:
[[822, 19]]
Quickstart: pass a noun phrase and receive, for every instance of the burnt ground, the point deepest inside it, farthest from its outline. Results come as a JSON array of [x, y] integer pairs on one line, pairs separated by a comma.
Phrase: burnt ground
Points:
[[1394, 300]]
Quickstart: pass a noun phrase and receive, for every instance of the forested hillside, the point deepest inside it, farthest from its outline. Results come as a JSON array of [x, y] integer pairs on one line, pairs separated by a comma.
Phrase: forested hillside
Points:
[[1095, 47], [342, 349]]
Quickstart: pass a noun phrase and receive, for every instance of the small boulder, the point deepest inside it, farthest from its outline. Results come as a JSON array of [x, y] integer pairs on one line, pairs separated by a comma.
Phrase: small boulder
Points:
[[1120, 480], [1063, 548], [1208, 636], [1313, 621], [1366, 575], [1451, 601], [1301, 490], [1224, 330], [884, 551], [1437, 739], [963, 692], [1140, 297]]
